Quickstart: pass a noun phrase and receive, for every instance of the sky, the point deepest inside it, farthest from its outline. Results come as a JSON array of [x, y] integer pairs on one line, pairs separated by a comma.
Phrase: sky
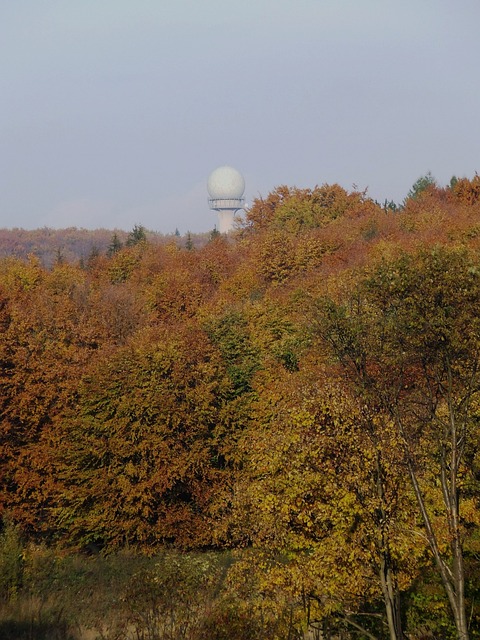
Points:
[[114, 112]]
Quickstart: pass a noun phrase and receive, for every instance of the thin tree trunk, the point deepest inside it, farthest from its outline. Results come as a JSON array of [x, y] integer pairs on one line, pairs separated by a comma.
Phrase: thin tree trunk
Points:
[[391, 599], [453, 580], [453, 515], [390, 592]]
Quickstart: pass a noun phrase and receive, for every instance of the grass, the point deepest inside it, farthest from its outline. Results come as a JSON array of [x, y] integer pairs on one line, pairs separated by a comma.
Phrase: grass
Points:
[[47, 595]]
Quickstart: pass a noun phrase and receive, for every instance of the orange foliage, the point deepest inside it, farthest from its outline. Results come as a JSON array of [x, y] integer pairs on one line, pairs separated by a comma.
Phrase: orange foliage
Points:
[[187, 396], [466, 191]]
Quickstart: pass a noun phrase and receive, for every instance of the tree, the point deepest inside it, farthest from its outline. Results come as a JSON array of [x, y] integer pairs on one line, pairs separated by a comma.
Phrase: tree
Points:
[[93, 256], [344, 336], [114, 246], [137, 454], [214, 233], [189, 242], [137, 236], [408, 339], [44, 348], [465, 191], [295, 210], [322, 495], [420, 185], [390, 206]]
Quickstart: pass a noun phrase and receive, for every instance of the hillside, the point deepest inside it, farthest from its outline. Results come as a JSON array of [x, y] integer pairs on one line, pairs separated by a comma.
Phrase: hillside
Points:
[[304, 394]]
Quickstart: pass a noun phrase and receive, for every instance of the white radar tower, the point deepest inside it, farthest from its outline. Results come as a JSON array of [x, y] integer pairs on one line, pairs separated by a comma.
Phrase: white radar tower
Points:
[[225, 188]]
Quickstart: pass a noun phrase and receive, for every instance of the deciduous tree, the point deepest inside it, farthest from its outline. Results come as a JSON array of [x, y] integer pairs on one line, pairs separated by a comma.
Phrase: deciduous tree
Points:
[[408, 339], [137, 456]]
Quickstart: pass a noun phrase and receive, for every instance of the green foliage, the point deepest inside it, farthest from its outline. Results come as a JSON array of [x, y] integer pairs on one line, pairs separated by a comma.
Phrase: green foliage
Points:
[[137, 236], [114, 246], [230, 333], [189, 242], [11, 561], [421, 185], [428, 610], [389, 206]]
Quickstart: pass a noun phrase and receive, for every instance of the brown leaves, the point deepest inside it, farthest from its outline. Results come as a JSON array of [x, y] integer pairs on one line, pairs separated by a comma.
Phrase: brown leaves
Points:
[[138, 458]]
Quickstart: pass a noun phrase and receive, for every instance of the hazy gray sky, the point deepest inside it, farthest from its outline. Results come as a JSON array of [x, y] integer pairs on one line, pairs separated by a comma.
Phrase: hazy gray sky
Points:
[[114, 112]]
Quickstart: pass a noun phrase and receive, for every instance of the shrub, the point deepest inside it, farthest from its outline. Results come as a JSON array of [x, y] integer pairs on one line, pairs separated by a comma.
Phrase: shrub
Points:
[[11, 561]]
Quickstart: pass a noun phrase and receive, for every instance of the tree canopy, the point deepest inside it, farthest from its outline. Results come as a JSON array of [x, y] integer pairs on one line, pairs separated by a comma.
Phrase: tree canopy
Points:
[[304, 392]]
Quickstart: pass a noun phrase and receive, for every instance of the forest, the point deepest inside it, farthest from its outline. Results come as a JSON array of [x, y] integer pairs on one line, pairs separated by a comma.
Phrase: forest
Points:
[[271, 435]]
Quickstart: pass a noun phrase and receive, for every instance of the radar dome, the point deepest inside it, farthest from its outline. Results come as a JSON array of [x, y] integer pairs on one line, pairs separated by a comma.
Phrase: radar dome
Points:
[[226, 183]]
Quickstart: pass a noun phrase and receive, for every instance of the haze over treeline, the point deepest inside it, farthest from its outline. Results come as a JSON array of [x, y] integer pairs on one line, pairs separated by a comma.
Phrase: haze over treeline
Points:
[[303, 394], [76, 245]]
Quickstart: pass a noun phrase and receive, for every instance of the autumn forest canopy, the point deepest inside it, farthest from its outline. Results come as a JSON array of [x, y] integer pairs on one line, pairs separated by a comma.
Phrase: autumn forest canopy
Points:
[[303, 393]]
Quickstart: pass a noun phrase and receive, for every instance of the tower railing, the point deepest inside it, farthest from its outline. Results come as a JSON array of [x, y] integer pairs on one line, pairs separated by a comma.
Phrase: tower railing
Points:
[[232, 203]]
